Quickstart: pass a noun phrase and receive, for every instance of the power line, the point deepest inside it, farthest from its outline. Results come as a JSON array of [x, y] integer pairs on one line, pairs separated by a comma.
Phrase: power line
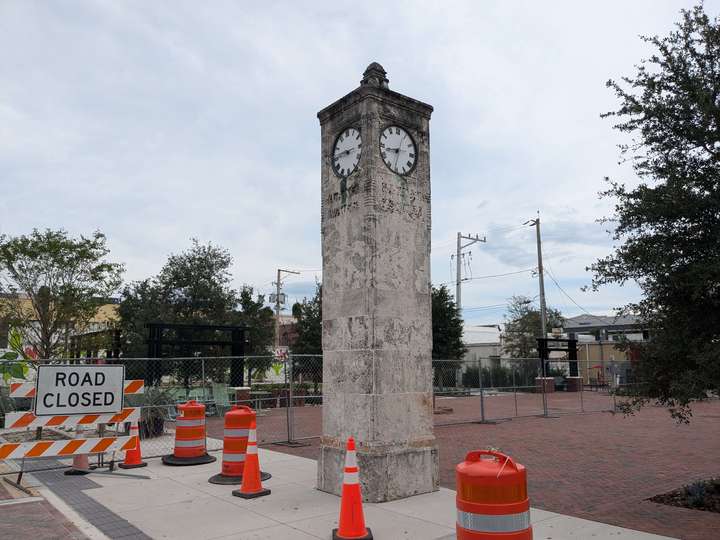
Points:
[[491, 276], [552, 277], [506, 229], [484, 308]]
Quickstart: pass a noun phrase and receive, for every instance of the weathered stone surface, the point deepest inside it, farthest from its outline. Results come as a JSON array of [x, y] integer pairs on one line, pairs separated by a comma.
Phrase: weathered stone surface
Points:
[[386, 475], [377, 332]]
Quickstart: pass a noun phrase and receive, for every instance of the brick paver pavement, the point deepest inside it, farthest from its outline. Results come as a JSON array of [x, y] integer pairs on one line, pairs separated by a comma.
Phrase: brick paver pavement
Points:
[[597, 466], [36, 521]]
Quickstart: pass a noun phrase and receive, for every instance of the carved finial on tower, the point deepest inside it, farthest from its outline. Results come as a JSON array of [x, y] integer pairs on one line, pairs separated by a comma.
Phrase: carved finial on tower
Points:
[[375, 75]]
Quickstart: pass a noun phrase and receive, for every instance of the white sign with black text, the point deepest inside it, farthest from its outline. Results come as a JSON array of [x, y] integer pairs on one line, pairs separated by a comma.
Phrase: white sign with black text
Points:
[[78, 389]]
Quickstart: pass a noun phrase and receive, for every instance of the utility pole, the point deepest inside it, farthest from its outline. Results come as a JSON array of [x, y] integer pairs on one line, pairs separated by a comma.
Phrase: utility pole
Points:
[[458, 257], [278, 287], [543, 309]]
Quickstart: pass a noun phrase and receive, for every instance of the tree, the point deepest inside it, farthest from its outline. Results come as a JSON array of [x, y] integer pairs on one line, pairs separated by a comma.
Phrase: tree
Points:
[[447, 332], [194, 287], [667, 228], [522, 324], [308, 315], [260, 322], [53, 285]]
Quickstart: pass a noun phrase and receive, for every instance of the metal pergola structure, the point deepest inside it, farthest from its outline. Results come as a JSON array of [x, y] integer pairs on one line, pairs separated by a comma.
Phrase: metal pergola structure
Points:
[[185, 341]]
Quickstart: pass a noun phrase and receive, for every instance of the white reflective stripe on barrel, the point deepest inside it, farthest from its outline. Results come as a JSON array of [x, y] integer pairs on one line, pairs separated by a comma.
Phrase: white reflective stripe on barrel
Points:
[[493, 523], [351, 478], [236, 432], [351, 459], [234, 458], [190, 444], [192, 422]]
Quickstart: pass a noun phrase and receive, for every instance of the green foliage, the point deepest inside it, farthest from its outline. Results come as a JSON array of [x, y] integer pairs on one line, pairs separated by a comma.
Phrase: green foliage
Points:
[[260, 321], [65, 279], [194, 287], [667, 228], [308, 315], [696, 493], [555, 371], [447, 326], [17, 363], [522, 326]]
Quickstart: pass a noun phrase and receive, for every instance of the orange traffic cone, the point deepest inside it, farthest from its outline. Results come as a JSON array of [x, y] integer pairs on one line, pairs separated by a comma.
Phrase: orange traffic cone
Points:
[[352, 520], [81, 463], [251, 486], [133, 458]]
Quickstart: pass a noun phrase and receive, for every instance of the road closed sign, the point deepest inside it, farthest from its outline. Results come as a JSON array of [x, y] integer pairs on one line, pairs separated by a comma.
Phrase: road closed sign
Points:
[[77, 389]]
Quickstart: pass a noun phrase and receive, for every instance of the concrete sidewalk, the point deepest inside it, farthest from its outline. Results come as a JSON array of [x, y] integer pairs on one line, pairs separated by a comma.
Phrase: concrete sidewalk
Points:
[[179, 503]]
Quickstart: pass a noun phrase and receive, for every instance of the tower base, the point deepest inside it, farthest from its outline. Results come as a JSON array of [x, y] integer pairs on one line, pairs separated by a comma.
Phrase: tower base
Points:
[[385, 475]]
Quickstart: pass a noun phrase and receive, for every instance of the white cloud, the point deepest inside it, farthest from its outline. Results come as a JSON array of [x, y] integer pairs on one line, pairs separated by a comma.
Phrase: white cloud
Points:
[[158, 122]]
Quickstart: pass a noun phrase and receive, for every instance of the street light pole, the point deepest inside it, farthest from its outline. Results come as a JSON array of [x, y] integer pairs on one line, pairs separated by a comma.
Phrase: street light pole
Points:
[[278, 287]]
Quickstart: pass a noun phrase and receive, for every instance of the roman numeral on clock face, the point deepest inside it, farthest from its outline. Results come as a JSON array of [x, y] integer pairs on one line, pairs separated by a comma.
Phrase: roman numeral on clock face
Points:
[[397, 149], [347, 151]]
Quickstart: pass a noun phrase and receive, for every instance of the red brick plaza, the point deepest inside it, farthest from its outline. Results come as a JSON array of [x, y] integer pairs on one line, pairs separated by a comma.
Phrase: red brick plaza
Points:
[[598, 465]]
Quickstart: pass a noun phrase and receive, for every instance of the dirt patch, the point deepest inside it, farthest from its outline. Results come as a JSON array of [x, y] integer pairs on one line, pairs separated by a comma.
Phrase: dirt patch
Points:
[[704, 495]]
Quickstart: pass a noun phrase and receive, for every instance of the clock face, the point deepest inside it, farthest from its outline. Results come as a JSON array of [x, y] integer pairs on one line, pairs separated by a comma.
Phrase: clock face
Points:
[[346, 153], [397, 149]]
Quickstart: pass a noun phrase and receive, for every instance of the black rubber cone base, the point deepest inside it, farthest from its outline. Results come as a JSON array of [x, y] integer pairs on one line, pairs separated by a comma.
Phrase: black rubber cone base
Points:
[[76, 472], [255, 495], [369, 535], [234, 480], [136, 466], [170, 459]]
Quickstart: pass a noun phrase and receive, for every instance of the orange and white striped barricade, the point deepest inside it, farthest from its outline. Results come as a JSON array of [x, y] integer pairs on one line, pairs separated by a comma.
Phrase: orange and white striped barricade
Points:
[[492, 501], [81, 462], [28, 390], [26, 419], [41, 449], [238, 421], [190, 446]]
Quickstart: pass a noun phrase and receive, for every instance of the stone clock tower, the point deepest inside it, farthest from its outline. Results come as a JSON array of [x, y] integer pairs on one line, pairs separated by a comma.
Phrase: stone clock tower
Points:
[[377, 329]]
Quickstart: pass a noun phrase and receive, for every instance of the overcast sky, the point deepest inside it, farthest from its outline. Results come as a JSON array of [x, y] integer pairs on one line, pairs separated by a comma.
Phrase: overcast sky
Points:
[[156, 122]]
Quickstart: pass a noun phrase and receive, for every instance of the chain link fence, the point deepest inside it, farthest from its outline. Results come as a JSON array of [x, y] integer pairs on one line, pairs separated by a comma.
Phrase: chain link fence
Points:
[[496, 388], [287, 395]]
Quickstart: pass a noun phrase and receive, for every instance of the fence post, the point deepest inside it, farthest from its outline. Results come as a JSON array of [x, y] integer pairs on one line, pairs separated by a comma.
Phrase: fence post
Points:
[[482, 394], [291, 416], [202, 369], [614, 401], [542, 383], [514, 390]]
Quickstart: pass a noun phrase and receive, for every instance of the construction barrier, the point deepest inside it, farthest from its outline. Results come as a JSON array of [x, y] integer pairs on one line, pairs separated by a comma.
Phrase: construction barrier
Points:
[[351, 524], [238, 421], [492, 501], [27, 419], [189, 436], [251, 486], [38, 449], [27, 389], [133, 456], [81, 462]]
